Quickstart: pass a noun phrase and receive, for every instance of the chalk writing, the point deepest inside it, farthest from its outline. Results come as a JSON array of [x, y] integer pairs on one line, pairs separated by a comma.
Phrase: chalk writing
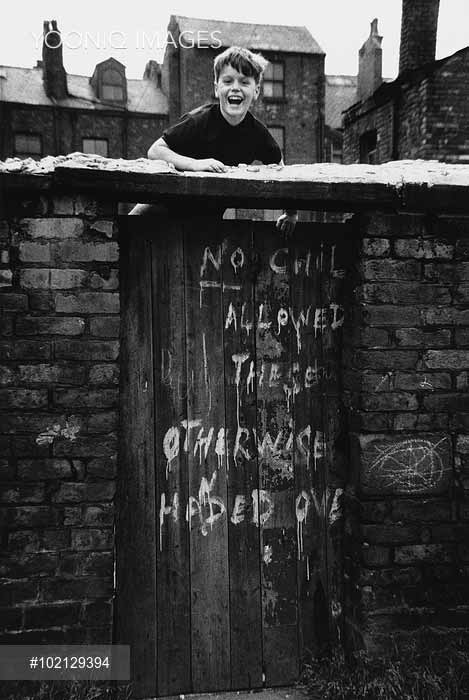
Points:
[[409, 466], [245, 445]]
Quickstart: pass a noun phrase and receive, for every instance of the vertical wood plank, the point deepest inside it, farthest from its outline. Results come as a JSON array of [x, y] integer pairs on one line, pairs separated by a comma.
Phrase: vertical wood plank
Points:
[[136, 517], [207, 513], [239, 269], [275, 437], [308, 380], [173, 553]]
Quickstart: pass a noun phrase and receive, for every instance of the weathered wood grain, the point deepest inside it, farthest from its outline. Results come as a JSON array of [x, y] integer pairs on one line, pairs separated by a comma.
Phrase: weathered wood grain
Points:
[[136, 513]]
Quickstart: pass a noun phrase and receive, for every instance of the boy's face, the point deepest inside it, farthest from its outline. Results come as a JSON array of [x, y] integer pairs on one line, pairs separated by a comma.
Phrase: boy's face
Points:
[[236, 92]]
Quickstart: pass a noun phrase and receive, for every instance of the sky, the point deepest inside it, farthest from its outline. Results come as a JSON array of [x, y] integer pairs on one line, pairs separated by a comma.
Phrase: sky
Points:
[[133, 31]]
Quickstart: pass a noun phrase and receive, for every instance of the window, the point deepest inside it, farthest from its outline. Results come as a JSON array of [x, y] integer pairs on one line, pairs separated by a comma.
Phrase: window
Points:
[[97, 146], [368, 141], [112, 87], [274, 83], [278, 132], [28, 146]]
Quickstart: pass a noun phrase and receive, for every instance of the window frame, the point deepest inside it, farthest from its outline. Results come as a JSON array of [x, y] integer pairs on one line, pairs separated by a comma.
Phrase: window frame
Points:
[[27, 153], [274, 81], [95, 139]]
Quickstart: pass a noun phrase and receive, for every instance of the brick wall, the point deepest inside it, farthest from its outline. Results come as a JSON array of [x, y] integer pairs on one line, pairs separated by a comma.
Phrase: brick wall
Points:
[[406, 382], [59, 397]]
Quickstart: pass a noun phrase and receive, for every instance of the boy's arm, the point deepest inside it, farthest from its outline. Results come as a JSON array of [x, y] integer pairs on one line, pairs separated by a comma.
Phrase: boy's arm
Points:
[[286, 222], [161, 151]]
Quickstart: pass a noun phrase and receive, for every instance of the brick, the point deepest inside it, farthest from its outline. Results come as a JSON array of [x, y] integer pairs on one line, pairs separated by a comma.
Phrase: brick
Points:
[[446, 402], [374, 511], [87, 303], [106, 279], [6, 325], [35, 278], [11, 618], [391, 270], [391, 534], [60, 373], [104, 467], [26, 446], [445, 316], [385, 315], [462, 381], [84, 493], [420, 421], [412, 381], [7, 470], [52, 228], [419, 337], [6, 278], [13, 302], [461, 295], [432, 553], [92, 446], [447, 273], [105, 326], [22, 494], [86, 398], [4, 230], [63, 205], [423, 248], [392, 401], [96, 539], [40, 278], [24, 565], [462, 336], [104, 374], [32, 516], [96, 564], [103, 226], [4, 257], [54, 540], [462, 444], [374, 555], [78, 589], [7, 376], [74, 251], [447, 359], [389, 360], [50, 325], [104, 422], [87, 350], [35, 252], [35, 469], [375, 247], [23, 398], [370, 337], [52, 615], [405, 293], [31, 422], [95, 515], [17, 592], [394, 225]]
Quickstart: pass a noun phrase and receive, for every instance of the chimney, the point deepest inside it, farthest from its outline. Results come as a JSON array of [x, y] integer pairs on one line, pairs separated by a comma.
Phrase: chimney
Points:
[[53, 72], [418, 33], [153, 72], [370, 72]]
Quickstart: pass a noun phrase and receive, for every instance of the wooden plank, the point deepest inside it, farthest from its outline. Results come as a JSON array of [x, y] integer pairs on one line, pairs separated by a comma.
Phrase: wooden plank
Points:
[[238, 268], [136, 535], [336, 295], [173, 552], [206, 461], [276, 496], [309, 373]]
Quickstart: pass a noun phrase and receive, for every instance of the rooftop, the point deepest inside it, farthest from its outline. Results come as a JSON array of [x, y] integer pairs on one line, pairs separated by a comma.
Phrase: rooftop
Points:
[[267, 37]]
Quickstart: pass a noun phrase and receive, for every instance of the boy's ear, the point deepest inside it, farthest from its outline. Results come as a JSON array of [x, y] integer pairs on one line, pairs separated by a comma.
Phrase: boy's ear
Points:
[[257, 90], [215, 88]]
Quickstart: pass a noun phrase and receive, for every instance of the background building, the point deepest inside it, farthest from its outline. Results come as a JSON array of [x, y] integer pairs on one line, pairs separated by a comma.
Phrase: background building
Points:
[[45, 111], [424, 113]]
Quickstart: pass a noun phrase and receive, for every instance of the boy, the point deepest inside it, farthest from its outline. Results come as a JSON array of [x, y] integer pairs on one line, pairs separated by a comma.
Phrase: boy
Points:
[[215, 136]]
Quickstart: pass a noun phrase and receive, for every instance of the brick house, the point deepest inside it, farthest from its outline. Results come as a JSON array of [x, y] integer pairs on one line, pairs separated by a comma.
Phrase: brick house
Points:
[[45, 111], [424, 113]]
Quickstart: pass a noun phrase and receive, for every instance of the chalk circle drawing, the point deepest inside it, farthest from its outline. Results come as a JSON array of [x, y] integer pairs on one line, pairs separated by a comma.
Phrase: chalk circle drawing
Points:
[[409, 466]]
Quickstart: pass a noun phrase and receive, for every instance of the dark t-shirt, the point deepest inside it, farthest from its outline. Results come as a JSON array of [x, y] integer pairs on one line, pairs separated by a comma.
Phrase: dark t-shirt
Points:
[[205, 133]]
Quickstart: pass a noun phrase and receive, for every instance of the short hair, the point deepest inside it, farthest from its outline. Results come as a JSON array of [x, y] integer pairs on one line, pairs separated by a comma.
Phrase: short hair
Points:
[[244, 61]]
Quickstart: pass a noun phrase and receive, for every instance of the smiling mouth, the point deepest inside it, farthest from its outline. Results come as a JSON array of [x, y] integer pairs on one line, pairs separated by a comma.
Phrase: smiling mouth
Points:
[[235, 100]]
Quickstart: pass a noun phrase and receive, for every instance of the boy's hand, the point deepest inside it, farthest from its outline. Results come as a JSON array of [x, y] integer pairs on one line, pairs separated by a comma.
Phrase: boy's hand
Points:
[[210, 165], [287, 222]]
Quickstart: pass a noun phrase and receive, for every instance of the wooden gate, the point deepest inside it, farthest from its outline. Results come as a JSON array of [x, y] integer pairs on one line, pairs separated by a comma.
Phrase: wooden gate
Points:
[[229, 512]]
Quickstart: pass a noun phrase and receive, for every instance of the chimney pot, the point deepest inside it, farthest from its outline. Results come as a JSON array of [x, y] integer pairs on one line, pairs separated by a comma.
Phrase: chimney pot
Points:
[[419, 27], [370, 59]]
